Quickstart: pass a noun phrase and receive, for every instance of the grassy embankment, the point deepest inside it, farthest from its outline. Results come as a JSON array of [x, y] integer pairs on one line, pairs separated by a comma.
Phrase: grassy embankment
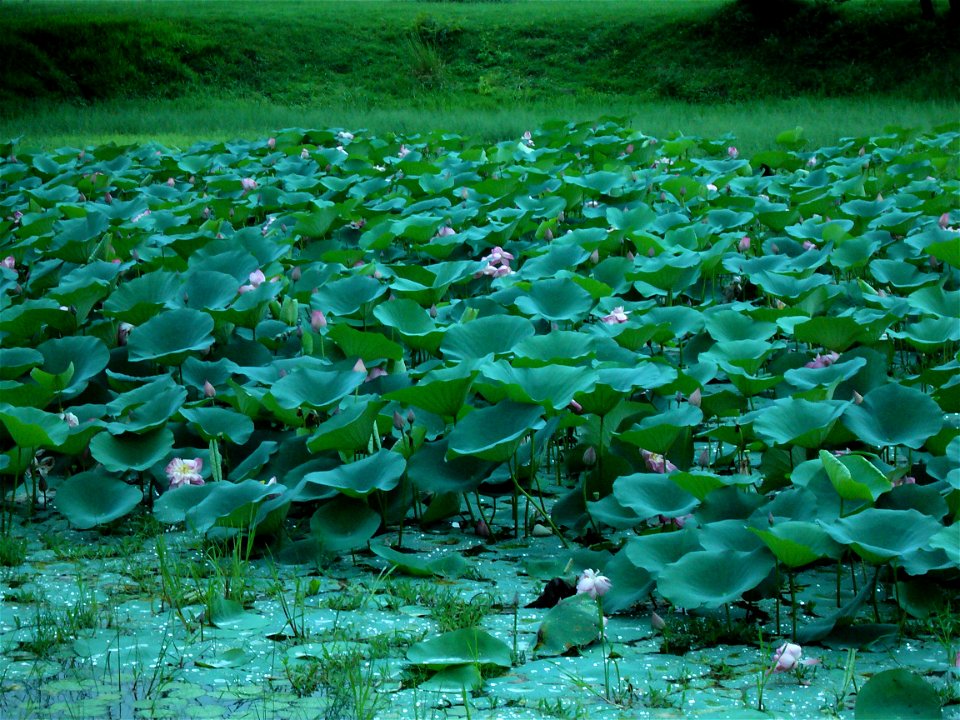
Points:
[[97, 70]]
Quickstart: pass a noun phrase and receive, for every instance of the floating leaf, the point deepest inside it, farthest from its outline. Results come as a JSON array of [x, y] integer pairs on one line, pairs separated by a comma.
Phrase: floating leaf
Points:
[[898, 693], [894, 414], [93, 498], [711, 578]]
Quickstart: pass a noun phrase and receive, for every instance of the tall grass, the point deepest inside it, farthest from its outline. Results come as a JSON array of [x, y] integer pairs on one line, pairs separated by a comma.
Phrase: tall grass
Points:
[[179, 123]]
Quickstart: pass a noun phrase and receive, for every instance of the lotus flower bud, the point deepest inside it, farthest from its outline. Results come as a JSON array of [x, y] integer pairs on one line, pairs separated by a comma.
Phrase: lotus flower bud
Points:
[[733, 153], [171, 182], [411, 416], [304, 154], [360, 367], [272, 143], [398, 420], [657, 622], [703, 460], [208, 389], [590, 457], [9, 262], [695, 398], [123, 332], [857, 398], [576, 407], [595, 256], [481, 529], [317, 320], [944, 221], [108, 198], [744, 244], [296, 274], [548, 235], [433, 311]]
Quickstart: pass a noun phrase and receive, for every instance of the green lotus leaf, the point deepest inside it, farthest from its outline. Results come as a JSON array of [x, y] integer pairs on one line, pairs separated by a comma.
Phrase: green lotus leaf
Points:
[[21, 322], [711, 578], [630, 584], [552, 386], [658, 432], [797, 422], [313, 388], [448, 565], [32, 428], [573, 622], [16, 361], [229, 505], [559, 347], [947, 251], [666, 274], [147, 407], [808, 378], [140, 299], [455, 679], [369, 346], [652, 553], [493, 335], [344, 524], [430, 471], [898, 693], [458, 647], [494, 433], [929, 334], [854, 477], [730, 326], [93, 498], [208, 290], [652, 494], [444, 397], [380, 471], [411, 322], [122, 453], [879, 536], [219, 423], [833, 333], [556, 300], [798, 543], [344, 297], [748, 355], [171, 336], [899, 274], [87, 355], [348, 431], [894, 414]]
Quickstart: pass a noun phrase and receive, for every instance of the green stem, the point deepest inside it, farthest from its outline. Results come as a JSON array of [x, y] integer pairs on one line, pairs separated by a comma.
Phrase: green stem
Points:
[[603, 650]]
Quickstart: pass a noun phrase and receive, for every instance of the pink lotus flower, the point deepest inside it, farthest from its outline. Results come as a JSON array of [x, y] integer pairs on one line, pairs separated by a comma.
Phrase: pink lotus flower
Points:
[[498, 256], [403, 151], [657, 463], [822, 361], [787, 657], [944, 221], [812, 162], [318, 320], [375, 373], [70, 419], [304, 154], [618, 315], [16, 217], [744, 244], [271, 143], [446, 231], [807, 245], [9, 262], [528, 139], [248, 184], [257, 278], [592, 584], [732, 152], [184, 472]]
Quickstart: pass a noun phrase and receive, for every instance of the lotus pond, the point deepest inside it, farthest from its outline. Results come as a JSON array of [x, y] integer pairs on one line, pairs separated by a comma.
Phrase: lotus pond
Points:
[[588, 423]]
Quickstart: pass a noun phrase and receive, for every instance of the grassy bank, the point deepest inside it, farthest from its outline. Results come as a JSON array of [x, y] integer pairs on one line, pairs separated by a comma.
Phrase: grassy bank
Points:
[[75, 72]]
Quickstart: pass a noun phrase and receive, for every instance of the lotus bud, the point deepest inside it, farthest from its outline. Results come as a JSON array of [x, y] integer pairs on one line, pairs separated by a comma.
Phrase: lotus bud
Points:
[[272, 143], [317, 320], [208, 389], [548, 235], [481, 529], [944, 221], [304, 154], [590, 457], [398, 420], [595, 256], [630, 255], [123, 332], [703, 459], [9, 262], [411, 416], [171, 182], [744, 244], [433, 311], [695, 398], [857, 398], [360, 367], [934, 263], [862, 151], [774, 248], [560, 217], [576, 407], [657, 622], [732, 152], [296, 274], [107, 198], [683, 191]]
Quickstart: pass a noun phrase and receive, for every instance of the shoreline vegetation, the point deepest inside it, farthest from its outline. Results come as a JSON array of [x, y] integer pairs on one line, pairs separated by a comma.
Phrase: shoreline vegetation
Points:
[[73, 73]]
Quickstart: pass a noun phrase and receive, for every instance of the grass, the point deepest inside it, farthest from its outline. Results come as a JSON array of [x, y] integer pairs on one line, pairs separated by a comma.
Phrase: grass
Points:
[[179, 71]]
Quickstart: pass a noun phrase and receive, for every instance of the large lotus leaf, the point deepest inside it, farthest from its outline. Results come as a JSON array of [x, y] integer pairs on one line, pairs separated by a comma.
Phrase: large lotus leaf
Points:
[[16, 361], [700, 484], [573, 622], [84, 286], [147, 407], [347, 431], [798, 422], [227, 504], [652, 494], [929, 334], [314, 388], [854, 477], [898, 693], [254, 462], [369, 346], [470, 645], [667, 273], [494, 433], [443, 397], [798, 543], [657, 433], [711, 578], [86, 354], [654, 552], [730, 325], [346, 296], [448, 564], [748, 355], [411, 322], [219, 423], [900, 274], [630, 584], [556, 300], [496, 334], [833, 333], [894, 414], [130, 451], [947, 251], [208, 290], [455, 679], [344, 524], [380, 471], [430, 471], [93, 498], [788, 286], [808, 378], [140, 299], [879, 536], [171, 336], [32, 428], [173, 505], [552, 386]]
